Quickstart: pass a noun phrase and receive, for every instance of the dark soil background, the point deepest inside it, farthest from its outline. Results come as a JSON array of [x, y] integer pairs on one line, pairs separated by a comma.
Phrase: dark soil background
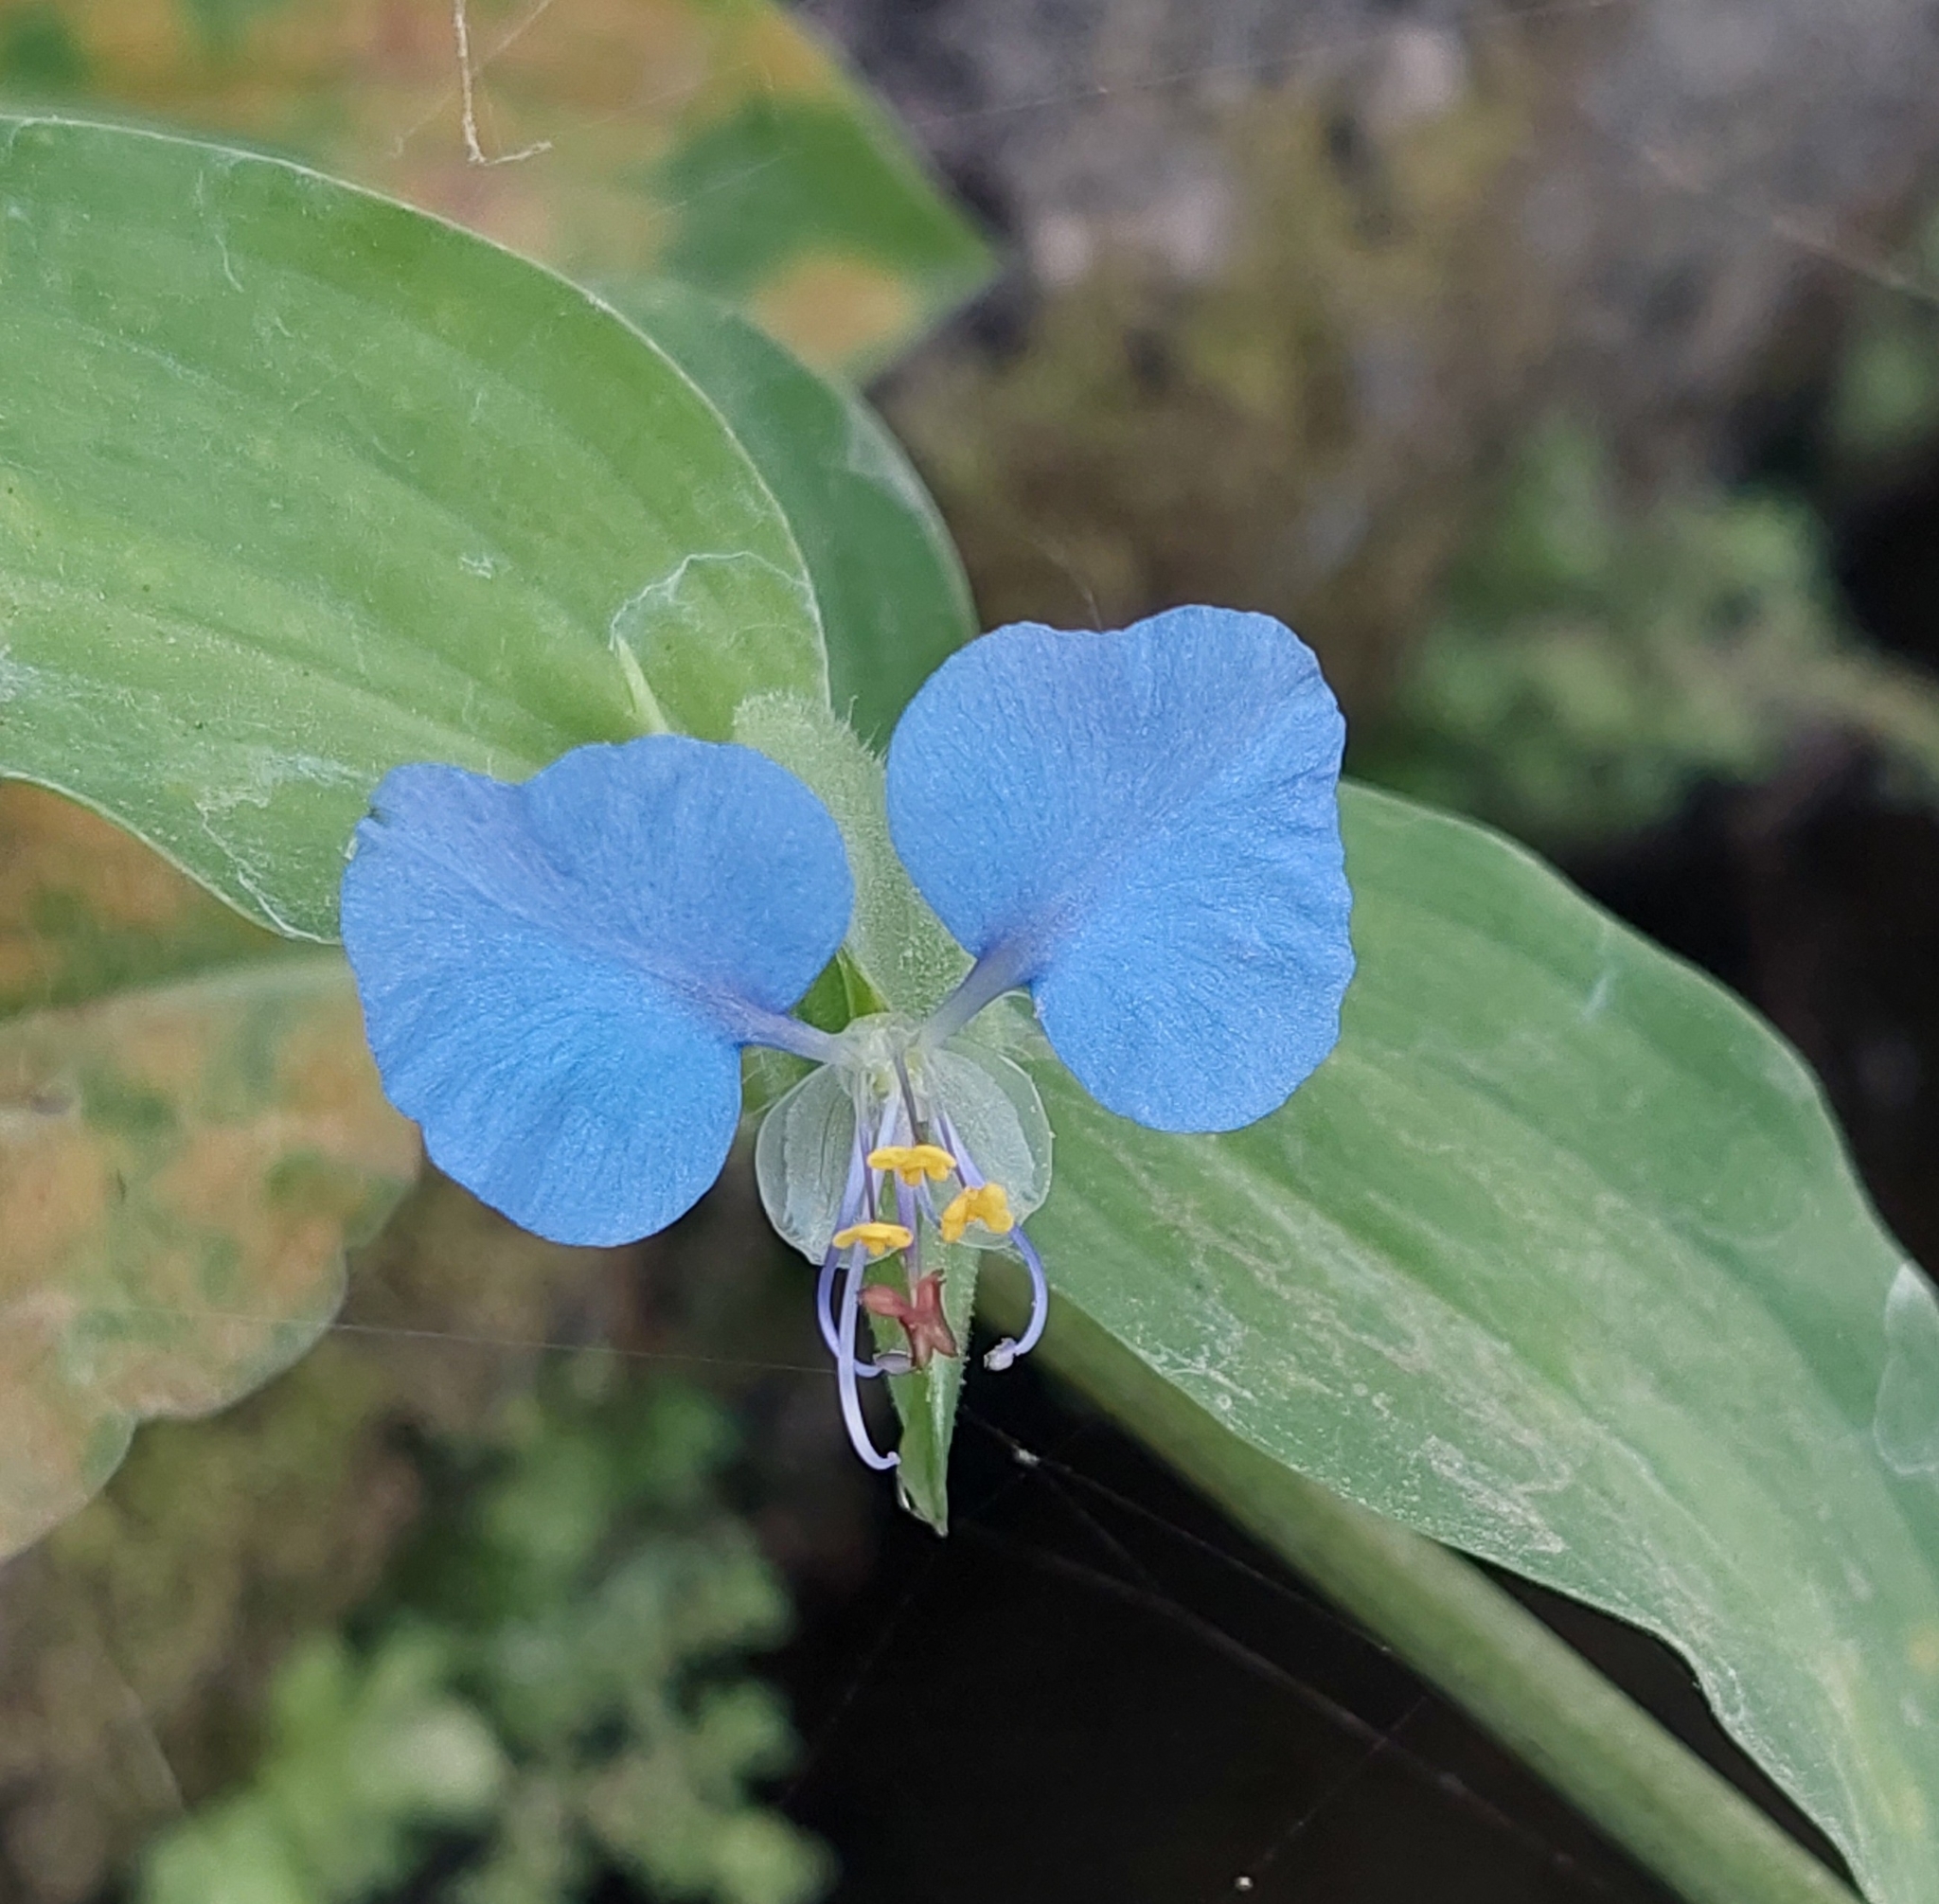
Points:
[[1096, 1689]]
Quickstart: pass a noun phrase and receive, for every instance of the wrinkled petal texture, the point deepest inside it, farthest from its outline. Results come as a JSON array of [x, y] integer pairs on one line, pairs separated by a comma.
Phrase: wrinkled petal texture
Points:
[[1147, 820], [556, 977]]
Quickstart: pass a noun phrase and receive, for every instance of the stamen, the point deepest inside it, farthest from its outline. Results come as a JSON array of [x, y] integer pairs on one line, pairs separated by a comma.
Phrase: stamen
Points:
[[912, 1163], [908, 1093], [884, 1135], [986, 1204], [905, 1216], [966, 1164], [824, 1315], [845, 1367], [877, 1237], [1006, 1351], [852, 1205]]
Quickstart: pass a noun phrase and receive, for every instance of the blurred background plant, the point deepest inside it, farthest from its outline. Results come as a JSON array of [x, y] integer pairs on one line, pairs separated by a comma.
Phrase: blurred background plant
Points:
[[1883, 406], [1597, 657], [550, 1683]]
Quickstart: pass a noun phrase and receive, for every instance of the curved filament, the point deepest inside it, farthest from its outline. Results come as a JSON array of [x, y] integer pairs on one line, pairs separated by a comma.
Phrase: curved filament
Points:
[[846, 1366]]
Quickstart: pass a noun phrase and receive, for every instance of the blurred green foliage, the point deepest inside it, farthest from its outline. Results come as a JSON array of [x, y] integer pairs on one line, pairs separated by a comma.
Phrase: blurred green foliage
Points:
[[550, 1686], [367, 1752], [1884, 401], [1593, 660]]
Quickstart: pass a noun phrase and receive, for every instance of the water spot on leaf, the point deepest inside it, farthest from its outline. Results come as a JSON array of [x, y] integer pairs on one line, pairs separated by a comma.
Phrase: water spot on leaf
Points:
[[1905, 1424]]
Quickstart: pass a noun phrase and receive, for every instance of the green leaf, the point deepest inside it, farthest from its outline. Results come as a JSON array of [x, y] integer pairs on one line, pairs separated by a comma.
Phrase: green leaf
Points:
[[798, 224], [1558, 1259], [1476, 1642], [297, 484], [721, 141], [884, 571]]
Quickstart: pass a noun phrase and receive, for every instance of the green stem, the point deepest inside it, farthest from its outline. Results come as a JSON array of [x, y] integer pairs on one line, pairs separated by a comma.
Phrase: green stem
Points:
[[1476, 1642]]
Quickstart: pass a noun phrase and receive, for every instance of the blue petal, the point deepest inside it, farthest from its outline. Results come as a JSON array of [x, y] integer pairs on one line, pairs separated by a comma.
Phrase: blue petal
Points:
[[556, 976], [1144, 827]]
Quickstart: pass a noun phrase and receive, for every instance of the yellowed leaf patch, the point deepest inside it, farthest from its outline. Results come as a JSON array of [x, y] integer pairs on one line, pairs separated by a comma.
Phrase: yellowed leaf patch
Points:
[[85, 908], [179, 1170]]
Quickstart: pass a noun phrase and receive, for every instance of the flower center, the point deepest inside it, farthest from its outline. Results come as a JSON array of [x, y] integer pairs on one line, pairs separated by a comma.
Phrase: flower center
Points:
[[896, 1153]]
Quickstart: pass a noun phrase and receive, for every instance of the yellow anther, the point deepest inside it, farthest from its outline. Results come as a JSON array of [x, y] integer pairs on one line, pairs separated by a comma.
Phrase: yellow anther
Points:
[[986, 1204], [876, 1238], [912, 1162]]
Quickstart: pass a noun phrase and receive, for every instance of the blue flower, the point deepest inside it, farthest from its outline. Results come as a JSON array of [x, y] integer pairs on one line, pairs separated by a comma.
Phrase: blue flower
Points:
[[1140, 828]]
